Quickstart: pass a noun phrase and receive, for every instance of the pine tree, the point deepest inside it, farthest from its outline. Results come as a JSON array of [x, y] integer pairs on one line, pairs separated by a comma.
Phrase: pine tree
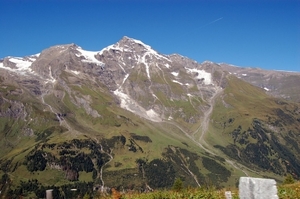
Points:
[[178, 185]]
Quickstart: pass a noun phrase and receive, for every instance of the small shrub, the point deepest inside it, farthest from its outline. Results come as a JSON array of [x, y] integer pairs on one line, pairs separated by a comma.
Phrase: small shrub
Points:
[[115, 194], [289, 179], [178, 185]]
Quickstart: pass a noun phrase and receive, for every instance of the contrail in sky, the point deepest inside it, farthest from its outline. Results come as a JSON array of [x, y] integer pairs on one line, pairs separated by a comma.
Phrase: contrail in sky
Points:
[[214, 21]]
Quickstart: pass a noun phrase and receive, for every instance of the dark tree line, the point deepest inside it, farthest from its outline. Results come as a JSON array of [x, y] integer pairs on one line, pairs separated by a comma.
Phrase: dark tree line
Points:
[[36, 161], [76, 190], [160, 173]]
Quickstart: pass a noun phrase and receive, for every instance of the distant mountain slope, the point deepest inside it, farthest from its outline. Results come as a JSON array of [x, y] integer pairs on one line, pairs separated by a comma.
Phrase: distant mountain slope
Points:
[[281, 84], [128, 116]]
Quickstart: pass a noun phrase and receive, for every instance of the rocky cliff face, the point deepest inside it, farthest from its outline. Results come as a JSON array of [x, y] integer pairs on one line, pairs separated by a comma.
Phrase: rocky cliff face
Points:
[[129, 99]]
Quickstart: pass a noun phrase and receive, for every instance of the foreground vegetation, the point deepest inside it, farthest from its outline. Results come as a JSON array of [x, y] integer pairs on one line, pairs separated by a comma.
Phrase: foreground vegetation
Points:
[[184, 194], [287, 191]]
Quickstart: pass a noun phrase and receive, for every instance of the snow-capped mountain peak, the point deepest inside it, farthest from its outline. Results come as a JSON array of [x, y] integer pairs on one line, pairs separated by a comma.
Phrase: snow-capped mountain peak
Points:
[[129, 45]]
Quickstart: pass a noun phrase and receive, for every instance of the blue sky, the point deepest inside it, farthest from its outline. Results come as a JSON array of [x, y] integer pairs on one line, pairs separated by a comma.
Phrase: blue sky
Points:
[[247, 33]]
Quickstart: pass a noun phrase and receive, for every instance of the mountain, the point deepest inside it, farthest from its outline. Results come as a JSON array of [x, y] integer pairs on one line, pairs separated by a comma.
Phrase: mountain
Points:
[[132, 118], [281, 84]]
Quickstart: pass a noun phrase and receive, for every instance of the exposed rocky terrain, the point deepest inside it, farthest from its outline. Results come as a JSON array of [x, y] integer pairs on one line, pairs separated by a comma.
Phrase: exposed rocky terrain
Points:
[[131, 112]]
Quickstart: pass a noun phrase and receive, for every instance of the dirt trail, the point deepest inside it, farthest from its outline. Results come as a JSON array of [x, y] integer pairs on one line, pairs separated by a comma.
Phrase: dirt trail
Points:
[[206, 115], [189, 136], [101, 169]]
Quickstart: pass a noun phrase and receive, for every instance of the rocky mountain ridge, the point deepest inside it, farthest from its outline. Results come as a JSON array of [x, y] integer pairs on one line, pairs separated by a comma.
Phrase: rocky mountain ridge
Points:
[[127, 107]]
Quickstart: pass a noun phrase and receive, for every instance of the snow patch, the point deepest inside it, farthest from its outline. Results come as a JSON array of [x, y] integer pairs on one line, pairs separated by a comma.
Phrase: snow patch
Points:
[[150, 50], [143, 60], [244, 75], [32, 59], [132, 106], [177, 82], [201, 74], [266, 89], [126, 76], [89, 57], [6, 68], [52, 79], [152, 114], [21, 64], [75, 72], [207, 62], [175, 73], [155, 96]]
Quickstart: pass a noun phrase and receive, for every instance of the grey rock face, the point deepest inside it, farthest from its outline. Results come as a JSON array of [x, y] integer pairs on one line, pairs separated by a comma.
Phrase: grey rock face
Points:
[[85, 103], [140, 77], [14, 109], [52, 61], [257, 188]]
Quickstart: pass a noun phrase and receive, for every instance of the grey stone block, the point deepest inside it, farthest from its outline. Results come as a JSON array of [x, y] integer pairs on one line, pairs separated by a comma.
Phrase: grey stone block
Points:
[[228, 195], [257, 188], [49, 194]]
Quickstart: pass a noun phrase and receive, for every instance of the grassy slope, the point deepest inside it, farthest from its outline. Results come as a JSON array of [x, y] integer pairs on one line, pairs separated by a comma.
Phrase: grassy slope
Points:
[[240, 105], [96, 128], [116, 121]]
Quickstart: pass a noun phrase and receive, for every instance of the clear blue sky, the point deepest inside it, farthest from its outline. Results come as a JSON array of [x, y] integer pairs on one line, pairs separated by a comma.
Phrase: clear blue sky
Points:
[[250, 33]]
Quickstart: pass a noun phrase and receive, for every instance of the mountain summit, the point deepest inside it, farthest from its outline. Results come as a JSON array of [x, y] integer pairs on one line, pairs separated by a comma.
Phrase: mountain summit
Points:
[[128, 116]]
